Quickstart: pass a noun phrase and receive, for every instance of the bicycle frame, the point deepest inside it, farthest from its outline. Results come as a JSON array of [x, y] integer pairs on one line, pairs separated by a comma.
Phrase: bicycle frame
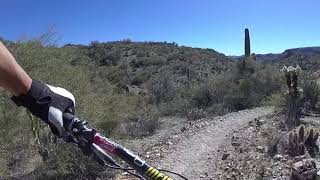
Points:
[[133, 160], [101, 146]]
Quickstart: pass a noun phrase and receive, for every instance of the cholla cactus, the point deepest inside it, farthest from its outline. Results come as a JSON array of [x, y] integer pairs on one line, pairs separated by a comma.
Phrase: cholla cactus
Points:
[[291, 70], [302, 138], [296, 142], [311, 137], [291, 74]]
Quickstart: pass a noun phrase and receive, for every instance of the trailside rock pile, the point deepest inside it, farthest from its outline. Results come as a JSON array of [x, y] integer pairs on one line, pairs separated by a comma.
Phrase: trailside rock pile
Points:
[[259, 151], [304, 170]]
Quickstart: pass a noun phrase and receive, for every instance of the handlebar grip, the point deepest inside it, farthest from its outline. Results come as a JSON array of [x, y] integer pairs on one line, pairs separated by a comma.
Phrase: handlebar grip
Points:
[[68, 120]]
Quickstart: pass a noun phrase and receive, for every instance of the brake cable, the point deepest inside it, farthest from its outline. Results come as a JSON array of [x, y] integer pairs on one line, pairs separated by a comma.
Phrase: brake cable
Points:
[[91, 142]]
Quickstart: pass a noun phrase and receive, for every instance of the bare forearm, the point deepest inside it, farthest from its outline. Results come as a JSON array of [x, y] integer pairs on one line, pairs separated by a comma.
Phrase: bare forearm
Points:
[[12, 76]]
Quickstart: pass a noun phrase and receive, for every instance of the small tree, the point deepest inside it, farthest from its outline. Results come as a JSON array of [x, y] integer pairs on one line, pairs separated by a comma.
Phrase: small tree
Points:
[[293, 102]]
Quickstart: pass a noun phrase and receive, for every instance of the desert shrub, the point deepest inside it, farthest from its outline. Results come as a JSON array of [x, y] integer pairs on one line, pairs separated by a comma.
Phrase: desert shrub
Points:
[[195, 114], [161, 88], [139, 124], [267, 79], [140, 51], [217, 109], [203, 97], [242, 96], [110, 58], [178, 106], [103, 54], [110, 110], [16, 138], [241, 88], [140, 78], [114, 75], [148, 61], [211, 92], [311, 90], [251, 88], [245, 67], [277, 100], [67, 162]]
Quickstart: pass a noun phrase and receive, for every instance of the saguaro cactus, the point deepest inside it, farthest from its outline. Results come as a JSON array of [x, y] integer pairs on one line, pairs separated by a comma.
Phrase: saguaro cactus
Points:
[[247, 65], [293, 105], [247, 43]]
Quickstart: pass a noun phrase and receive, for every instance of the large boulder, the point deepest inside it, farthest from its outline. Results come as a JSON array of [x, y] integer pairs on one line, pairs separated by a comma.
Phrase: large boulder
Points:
[[304, 170]]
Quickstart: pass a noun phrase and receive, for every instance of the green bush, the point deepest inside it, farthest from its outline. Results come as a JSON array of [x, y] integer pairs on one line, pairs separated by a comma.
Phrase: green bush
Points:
[[236, 90], [278, 100], [67, 162], [162, 88], [139, 124], [103, 54], [203, 97], [140, 78], [178, 106], [195, 114], [148, 61]]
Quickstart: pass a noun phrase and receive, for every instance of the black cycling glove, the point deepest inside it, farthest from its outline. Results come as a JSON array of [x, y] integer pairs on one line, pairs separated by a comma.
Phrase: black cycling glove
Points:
[[48, 103]]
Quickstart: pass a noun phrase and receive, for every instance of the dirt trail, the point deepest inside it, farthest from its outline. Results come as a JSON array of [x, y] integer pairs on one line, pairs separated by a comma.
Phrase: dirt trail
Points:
[[196, 149], [196, 153]]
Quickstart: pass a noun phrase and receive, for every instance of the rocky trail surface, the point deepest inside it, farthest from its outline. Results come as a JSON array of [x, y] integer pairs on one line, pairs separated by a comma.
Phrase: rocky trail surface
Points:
[[194, 148]]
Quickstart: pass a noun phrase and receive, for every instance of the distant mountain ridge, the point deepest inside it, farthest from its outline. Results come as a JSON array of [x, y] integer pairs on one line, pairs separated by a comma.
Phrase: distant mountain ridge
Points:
[[307, 51], [303, 51]]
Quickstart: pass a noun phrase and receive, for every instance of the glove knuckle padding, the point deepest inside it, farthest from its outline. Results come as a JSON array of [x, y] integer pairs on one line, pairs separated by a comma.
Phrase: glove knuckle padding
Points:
[[48, 103], [62, 92]]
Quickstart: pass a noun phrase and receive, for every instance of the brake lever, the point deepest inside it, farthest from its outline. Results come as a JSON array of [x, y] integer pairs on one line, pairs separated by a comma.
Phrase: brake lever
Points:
[[78, 133], [83, 136]]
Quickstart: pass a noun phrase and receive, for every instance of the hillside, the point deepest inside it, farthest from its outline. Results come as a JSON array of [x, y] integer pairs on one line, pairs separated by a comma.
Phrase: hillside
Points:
[[121, 88], [134, 91], [138, 63], [125, 89]]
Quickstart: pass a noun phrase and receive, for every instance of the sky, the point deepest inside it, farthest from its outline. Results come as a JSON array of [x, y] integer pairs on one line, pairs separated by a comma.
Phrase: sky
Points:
[[275, 25]]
